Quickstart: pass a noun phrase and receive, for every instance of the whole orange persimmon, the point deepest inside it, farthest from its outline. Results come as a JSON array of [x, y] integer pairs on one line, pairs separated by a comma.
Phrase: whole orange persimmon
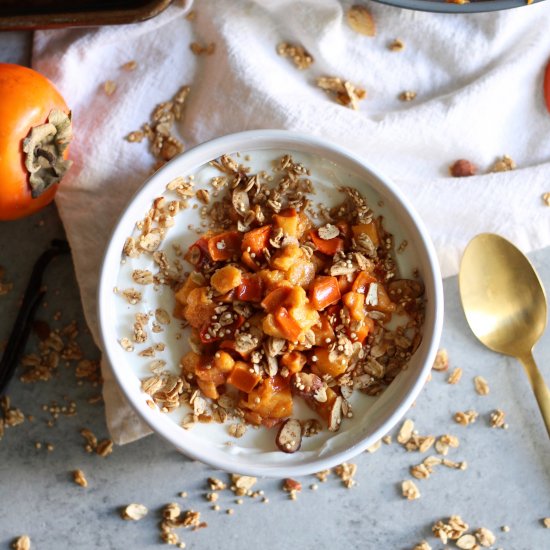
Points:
[[35, 131]]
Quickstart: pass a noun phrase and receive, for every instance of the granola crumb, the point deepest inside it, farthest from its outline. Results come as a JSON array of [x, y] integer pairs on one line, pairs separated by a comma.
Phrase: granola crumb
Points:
[[441, 362], [322, 475], [79, 478], [422, 546], [109, 87], [396, 45], [22, 543], [407, 95], [314, 486], [129, 66], [301, 58], [134, 512], [455, 376], [546, 522], [465, 418], [546, 198], [504, 164], [485, 537], [387, 439], [481, 385], [410, 490], [496, 419], [230, 511], [200, 49], [505, 528], [343, 91]]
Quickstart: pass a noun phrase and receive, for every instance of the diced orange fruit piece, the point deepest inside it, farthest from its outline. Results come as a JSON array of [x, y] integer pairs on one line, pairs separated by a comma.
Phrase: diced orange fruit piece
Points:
[[243, 377], [223, 361], [327, 246], [355, 303], [287, 221], [294, 361], [200, 307], [325, 366], [369, 229], [323, 292], [256, 240], [285, 257], [287, 325], [225, 246], [226, 279]]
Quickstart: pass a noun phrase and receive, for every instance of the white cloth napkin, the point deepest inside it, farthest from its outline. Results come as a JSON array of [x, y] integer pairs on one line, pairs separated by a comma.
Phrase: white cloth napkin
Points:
[[478, 80]]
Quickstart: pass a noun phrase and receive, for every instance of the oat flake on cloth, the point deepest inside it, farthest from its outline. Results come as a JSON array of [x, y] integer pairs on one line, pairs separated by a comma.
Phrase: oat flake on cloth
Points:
[[478, 80]]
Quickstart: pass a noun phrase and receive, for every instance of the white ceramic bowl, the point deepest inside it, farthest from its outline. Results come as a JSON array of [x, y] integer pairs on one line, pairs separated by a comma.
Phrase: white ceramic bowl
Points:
[[255, 453]]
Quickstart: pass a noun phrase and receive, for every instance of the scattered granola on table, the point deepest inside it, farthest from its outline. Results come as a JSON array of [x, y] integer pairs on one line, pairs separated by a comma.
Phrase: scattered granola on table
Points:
[[163, 144], [343, 91], [396, 45], [301, 58], [504, 164], [407, 95], [22, 543], [79, 478]]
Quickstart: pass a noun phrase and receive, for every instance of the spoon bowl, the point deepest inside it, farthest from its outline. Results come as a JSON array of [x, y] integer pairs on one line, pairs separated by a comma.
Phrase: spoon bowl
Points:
[[505, 304]]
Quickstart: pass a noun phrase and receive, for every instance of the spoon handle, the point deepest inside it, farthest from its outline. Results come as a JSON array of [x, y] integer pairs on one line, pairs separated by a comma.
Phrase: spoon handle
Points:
[[540, 389]]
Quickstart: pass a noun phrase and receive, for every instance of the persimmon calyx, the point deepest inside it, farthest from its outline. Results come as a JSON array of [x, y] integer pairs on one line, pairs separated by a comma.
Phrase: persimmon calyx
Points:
[[44, 148]]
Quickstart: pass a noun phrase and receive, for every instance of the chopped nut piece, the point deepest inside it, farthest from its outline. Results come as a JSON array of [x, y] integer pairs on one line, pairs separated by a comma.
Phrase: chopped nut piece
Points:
[[410, 490], [346, 472], [216, 484], [199, 49], [242, 484], [422, 546], [466, 417], [322, 475], [104, 448], [290, 485], [374, 447], [455, 376], [298, 54], [466, 542], [109, 87], [129, 66], [503, 164], [441, 362], [497, 418], [481, 385], [407, 95], [453, 530], [463, 168], [203, 196], [22, 543], [397, 45], [343, 92], [405, 432], [79, 478], [361, 20], [134, 512], [485, 537], [546, 198], [132, 295]]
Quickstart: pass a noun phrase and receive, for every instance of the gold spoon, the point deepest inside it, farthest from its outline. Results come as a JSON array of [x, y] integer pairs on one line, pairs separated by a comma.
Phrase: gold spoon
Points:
[[505, 305]]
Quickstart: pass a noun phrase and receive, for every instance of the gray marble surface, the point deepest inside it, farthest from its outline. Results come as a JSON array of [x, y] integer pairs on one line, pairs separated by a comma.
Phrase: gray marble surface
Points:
[[507, 481]]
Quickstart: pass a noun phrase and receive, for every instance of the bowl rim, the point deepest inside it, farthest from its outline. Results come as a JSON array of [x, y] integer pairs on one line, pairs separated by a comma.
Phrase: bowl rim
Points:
[[438, 6], [261, 140]]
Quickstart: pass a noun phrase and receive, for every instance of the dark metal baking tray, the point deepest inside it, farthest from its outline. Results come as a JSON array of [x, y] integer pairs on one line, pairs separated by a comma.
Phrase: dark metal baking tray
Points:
[[47, 14]]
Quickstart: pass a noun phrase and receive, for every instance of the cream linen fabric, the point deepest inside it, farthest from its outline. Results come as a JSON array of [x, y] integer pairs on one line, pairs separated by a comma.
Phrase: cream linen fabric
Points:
[[478, 80]]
